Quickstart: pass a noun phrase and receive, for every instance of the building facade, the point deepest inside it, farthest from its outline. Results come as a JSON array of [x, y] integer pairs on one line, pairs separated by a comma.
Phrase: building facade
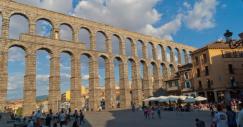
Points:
[[181, 83], [217, 72]]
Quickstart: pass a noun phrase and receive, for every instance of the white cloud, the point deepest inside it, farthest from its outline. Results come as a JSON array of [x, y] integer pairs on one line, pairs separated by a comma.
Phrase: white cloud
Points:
[[120, 13], [140, 17], [44, 78], [85, 77], [202, 15], [166, 30], [16, 55], [63, 6], [186, 4], [12, 84]]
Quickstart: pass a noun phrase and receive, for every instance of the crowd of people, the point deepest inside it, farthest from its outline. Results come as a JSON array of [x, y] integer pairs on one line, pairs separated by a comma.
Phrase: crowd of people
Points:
[[60, 119], [224, 118]]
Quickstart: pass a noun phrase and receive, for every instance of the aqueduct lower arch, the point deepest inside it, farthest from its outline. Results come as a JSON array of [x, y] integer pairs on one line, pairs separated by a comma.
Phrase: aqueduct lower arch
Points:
[[31, 42]]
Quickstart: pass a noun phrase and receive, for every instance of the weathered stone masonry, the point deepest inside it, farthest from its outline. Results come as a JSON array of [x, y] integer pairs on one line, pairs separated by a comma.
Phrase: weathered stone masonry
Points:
[[31, 43]]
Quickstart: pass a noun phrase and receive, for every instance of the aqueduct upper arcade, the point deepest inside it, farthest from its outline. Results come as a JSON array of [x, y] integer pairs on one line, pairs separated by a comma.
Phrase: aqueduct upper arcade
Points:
[[133, 48]]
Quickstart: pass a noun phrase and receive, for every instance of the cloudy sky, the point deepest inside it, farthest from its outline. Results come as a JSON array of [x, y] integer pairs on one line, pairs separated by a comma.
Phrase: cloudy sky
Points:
[[191, 22]]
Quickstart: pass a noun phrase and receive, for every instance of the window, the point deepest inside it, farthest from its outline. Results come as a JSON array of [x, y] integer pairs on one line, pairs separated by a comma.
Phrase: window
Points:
[[204, 58], [197, 60], [198, 72], [206, 71], [186, 76], [209, 84], [231, 70], [187, 84], [176, 83], [199, 84], [170, 84]]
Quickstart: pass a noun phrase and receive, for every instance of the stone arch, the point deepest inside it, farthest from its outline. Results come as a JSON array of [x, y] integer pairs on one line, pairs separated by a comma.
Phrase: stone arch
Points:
[[65, 62], [163, 70], [171, 70], [86, 71], [159, 52], [169, 54], [43, 71], [140, 47], [184, 56], [16, 70], [177, 56], [116, 44], [19, 13], [44, 27], [102, 61], [85, 36], [150, 51], [129, 45], [44, 48], [101, 41], [69, 52], [14, 30], [66, 32], [190, 57], [143, 72], [89, 55], [132, 74], [103, 55], [154, 75], [24, 47], [118, 72]]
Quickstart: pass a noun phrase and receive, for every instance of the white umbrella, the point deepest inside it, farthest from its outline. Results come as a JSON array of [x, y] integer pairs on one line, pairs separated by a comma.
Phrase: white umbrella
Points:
[[172, 98], [182, 97], [150, 99], [162, 99], [199, 98], [190, 100]]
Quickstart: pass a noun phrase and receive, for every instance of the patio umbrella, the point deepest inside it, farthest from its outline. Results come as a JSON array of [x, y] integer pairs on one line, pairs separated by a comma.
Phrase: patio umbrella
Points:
[[190, 100], [199, 98], [162, 99], [182, 97], [172, 98], [150, 99]]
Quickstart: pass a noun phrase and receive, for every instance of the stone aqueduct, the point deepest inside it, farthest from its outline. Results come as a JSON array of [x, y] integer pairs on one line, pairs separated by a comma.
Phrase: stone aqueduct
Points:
[[31, 42]]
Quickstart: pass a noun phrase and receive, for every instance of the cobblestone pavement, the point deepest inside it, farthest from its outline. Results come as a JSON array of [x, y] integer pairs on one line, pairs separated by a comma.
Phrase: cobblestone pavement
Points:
[[136, 119]]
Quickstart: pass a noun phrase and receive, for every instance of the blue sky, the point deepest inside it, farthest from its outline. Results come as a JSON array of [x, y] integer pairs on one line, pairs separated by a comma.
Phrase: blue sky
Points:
[[191, 22]]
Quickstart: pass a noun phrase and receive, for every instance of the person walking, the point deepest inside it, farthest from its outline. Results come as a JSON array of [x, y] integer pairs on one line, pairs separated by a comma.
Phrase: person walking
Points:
[[76, 114], [220, 117], [133, 108], [231, 115], [158, 113], [48, 120], [81, 115], [200, 123], [145, 113], [152, 113], [62, 118], [75, 123], [240, 116]]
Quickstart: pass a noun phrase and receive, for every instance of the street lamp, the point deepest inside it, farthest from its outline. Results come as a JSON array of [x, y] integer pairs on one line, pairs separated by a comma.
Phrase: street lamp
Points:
[[233, 43]]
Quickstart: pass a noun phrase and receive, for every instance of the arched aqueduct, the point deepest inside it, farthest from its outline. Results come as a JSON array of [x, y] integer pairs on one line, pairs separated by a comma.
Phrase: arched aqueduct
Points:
[[54, 44]]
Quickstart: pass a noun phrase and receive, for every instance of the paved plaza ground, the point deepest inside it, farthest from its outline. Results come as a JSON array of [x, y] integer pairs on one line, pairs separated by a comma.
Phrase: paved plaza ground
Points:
[[131, 119]]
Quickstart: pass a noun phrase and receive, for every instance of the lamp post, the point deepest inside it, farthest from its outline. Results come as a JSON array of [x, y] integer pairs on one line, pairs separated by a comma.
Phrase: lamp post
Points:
[[233, 43]]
